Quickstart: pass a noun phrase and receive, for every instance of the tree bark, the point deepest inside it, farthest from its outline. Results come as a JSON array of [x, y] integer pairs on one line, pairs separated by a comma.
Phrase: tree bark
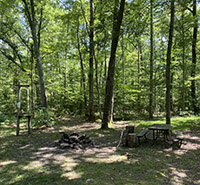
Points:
[[123, 61], [193, 71], [138, 68], [97, 86], [123, 72], [151, 63], [171, 91], [91, 69], [168, 74], [111, 111], [183, 64], [65, 73], [32, 81], [105, 66], [82, 67], [118, 16]]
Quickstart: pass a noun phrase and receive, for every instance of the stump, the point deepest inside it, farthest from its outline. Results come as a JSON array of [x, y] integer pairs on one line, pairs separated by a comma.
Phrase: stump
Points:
[[131, 140], [129, 129]]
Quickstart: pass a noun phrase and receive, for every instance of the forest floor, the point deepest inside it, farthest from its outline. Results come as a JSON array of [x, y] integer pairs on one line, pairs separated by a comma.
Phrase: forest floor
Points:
[[34, 159]]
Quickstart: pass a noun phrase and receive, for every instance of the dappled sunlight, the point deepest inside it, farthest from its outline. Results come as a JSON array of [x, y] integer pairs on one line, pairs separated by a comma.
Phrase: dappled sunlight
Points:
[[60, 159], [190, 146], [34, 165], [3, 164], [72, 175], [46, 156], [25, 146], [82, 127], [177, 175], [99, 135], [69, 165], [46, 149], [190, 136], [103, 158], [49, 157], [180, 152], [122, 124], [37, 158], [99, 151], [191, 141]]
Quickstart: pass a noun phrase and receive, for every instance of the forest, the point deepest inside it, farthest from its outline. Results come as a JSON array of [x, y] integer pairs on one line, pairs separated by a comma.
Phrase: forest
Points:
[[64, 51], [110, 89]]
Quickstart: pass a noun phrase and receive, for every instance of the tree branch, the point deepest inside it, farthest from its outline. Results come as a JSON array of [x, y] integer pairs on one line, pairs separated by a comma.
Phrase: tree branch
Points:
[[83, 12], [40, 26], [22, 39], [27, 12], [189, 9], [9, 57], [13, 46]]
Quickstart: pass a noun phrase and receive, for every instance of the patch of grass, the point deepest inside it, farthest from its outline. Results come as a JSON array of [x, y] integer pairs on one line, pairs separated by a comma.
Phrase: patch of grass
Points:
[[189, 123], [178, 123]]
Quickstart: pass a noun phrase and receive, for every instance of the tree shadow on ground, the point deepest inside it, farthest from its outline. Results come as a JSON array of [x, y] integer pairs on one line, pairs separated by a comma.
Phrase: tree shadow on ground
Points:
[[33, 159]]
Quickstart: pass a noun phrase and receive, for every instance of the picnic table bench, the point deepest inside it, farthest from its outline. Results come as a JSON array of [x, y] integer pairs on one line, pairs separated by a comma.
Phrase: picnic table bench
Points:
[[142, 134], [179, 138]]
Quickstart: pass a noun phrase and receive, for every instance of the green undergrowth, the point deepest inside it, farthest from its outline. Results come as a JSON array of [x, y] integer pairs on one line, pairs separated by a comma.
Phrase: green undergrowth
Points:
[[33, 159]]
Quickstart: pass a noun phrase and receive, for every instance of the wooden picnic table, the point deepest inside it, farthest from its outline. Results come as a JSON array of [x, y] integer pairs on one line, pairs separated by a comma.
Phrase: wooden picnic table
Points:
[[158, 129]]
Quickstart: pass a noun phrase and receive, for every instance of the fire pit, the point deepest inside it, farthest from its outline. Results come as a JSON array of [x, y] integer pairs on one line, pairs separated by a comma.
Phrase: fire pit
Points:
[[74, 141]]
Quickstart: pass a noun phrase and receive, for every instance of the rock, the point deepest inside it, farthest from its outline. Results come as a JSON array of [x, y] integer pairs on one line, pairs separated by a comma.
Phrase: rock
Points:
[[75, 141], [64, 145]]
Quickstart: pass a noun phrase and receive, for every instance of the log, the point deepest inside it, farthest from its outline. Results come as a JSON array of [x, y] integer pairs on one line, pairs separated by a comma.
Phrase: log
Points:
[[131, 140]]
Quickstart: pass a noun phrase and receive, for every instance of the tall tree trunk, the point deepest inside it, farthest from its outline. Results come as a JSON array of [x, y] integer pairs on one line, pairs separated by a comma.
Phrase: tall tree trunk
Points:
[[32, 81], [123, 61], [97, 86], [193, 71], [123, 73], [37, 88], [118, 16], [59, 66], [105, 66], [183, 64], [168, 74], [171, 91], [36, 41], [111, 111], [91, 70], [138, 68], [151, 63], [82, 67], [65, 73], [183, 79]]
